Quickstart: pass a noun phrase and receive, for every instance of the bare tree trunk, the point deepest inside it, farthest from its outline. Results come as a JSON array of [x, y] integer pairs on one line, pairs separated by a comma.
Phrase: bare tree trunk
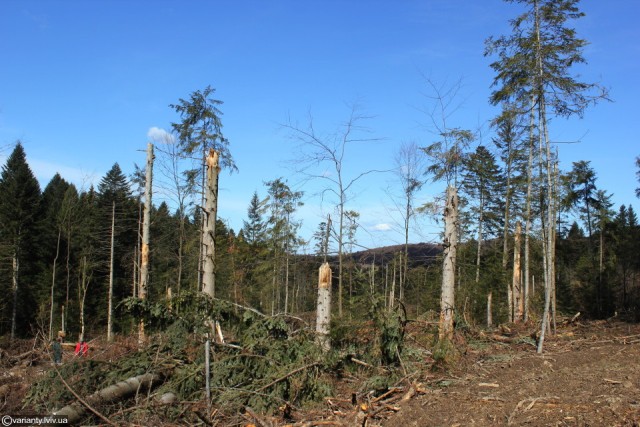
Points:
[[286, 280], [14, 279], [447, 302], [146, 224], [392, 291], [53, 285], [518, 300], [489, 313], [479, 249], [323, 309], [209, 224], [85, 279], [68, 281], [527, 227], [110, 296]]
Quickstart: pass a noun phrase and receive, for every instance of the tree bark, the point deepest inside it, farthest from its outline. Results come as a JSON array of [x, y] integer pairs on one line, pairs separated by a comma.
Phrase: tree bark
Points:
[[146, 223], [111, 256], [209, 224], [447, 303], [518, 297], [75, 412], [323, 310], [53, 285], [14, 279], [489, 313]]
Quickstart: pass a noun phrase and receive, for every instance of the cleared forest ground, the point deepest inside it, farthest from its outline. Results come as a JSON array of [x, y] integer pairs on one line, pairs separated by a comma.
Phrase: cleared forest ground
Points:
[[589, 375]]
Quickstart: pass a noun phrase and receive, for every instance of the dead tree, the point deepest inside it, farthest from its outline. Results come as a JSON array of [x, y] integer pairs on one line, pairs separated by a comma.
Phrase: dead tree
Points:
[[146, 222], [209, 224], [449, 265], [516, 284], [323, 313]]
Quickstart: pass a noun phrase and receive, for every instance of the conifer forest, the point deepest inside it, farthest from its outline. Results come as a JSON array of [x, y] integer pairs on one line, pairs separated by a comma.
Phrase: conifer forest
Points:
[[524, 310]]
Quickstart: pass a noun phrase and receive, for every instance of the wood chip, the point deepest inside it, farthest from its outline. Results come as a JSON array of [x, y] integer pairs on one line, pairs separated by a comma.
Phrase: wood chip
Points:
[[494, 385]]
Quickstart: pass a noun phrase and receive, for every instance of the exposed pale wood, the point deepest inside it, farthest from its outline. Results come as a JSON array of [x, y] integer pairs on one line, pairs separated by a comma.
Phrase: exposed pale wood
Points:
[[146, 225], [447, 305], [323, 308], [75, 412]]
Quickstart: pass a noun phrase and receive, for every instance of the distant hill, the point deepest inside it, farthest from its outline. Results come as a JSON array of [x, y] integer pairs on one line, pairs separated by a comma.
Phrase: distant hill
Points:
[[419, 254]]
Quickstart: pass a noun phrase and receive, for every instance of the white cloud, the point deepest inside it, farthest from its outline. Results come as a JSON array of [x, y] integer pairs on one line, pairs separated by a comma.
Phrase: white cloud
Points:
[[160, 135], [382, 227]]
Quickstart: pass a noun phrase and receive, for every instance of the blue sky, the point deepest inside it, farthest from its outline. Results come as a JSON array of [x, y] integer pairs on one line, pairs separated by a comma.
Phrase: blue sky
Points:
[[82, 82]]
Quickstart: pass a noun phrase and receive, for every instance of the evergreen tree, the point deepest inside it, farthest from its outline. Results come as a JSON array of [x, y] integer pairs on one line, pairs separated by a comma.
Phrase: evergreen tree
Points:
[[114, 189], [281, 204], [19, 218], [52, 246], [254, 228], [533, 72]]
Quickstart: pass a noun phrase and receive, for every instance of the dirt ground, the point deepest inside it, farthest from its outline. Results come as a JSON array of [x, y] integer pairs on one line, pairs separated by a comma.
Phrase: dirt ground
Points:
[[589, 375]]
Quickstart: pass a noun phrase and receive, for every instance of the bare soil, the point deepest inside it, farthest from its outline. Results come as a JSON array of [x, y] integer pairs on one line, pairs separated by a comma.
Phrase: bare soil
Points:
[[588, 375]]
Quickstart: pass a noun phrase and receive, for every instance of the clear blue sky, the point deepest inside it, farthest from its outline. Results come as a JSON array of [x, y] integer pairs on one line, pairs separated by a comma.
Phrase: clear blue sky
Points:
[[82, 82]]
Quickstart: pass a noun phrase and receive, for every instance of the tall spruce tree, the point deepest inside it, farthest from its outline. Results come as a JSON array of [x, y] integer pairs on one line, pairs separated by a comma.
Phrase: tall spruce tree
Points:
[[534, 72], [19, 218], [52, 243], [482, 183], [114, 190]]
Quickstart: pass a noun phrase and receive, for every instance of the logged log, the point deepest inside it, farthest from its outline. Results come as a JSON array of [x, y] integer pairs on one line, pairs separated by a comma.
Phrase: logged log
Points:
[[76, 411]]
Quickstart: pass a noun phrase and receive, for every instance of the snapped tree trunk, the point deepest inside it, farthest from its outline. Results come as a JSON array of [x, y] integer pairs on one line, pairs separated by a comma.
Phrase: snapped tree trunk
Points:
[[323, 309], [209, 224], [449, 265], [146, 223]]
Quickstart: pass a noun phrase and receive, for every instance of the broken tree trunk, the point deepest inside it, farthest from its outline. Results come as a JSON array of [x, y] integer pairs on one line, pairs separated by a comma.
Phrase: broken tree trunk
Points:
[[445, 332], [516, 285], [146, 222], [76, 411], [323, 311], [209, 224]]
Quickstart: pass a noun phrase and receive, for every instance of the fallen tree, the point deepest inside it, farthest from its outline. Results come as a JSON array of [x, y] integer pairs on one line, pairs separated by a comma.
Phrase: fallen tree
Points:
[[119, 391]]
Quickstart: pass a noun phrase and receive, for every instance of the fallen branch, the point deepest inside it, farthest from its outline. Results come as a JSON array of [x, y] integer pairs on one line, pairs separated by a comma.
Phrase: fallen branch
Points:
[[284, 377], [255, 416], [360, 362], [523, 401]]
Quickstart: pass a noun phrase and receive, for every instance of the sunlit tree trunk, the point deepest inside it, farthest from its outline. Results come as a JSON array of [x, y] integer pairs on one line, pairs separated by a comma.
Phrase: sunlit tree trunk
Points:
[[518, 294], [209, 224], [447, 302], [111, 256], [146, 224], [323, 309], [53, 285]]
